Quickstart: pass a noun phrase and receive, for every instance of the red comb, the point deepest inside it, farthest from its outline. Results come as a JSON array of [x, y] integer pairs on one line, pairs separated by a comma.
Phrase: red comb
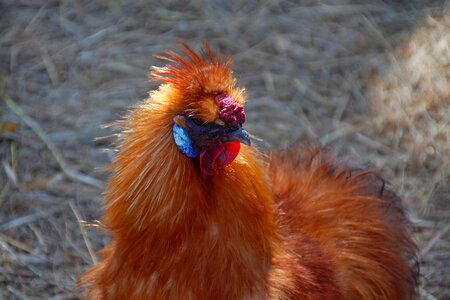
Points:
[[230, 112]]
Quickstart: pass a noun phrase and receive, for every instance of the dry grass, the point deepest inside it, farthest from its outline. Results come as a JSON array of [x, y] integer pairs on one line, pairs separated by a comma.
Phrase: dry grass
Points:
[[369, 78]]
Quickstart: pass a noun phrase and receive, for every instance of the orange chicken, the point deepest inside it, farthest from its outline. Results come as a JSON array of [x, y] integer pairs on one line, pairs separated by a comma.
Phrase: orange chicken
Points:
[[197, 212]]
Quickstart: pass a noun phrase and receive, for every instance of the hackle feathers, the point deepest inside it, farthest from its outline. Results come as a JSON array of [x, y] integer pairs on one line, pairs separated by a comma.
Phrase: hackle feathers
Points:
[[298, 226]]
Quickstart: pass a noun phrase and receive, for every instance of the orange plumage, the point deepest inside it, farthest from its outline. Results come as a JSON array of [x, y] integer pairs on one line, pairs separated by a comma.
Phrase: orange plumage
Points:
[[299, 225]]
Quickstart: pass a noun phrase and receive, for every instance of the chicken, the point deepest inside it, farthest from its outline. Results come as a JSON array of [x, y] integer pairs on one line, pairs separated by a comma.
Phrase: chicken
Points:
[[197, 212]]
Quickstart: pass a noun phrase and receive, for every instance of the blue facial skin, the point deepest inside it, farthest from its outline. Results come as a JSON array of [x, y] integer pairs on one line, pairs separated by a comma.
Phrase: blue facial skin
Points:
[[184, 142], [196, 136]]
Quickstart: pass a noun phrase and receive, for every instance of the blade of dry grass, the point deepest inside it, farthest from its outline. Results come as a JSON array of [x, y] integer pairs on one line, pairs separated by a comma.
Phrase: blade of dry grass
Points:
[[17, 293], [5, 189], [9, 172], [427, 248], [18, 244], [83, 232], [426, 295], [30, 218], [50, 66]]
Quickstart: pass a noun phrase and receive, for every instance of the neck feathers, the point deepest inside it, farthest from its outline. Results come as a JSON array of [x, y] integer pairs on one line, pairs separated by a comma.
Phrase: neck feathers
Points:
[[194, 227]]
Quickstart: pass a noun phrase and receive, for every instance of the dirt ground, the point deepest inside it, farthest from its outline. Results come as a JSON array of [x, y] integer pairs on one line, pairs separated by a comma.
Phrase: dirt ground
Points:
[[369, 78]]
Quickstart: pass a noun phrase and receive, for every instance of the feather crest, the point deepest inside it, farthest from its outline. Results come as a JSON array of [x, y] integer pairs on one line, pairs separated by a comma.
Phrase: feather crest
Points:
[[194, 72]]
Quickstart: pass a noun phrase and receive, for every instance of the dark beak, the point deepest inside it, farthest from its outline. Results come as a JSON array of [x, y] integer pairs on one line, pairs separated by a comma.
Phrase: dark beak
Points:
[[240, 135]]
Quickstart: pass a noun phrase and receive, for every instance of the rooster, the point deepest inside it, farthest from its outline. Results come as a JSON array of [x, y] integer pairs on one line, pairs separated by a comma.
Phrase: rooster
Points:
[[197, 212]]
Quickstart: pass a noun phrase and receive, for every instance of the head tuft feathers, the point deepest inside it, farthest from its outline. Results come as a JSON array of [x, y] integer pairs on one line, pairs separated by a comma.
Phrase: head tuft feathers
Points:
[[197, 74]]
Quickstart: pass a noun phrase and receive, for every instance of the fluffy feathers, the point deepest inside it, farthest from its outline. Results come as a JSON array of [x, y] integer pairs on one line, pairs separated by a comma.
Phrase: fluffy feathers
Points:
[[297, 226]]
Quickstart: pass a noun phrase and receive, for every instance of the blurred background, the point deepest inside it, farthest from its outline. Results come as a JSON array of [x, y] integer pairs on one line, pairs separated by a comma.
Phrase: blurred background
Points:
[[369, 78]]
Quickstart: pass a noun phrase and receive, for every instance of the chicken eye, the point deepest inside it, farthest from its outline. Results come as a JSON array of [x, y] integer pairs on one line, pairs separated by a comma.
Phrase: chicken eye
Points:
[[197, 122]]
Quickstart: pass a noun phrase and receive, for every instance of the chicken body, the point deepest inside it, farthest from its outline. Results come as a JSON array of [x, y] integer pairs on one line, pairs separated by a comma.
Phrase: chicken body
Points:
[[230, 224]]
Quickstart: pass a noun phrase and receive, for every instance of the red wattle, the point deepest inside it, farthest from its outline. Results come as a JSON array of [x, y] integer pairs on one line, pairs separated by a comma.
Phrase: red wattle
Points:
[[214, 159]]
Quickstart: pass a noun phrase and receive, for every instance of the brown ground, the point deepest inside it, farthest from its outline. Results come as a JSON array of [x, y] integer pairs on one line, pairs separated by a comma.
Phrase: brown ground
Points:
[[369, 78]]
